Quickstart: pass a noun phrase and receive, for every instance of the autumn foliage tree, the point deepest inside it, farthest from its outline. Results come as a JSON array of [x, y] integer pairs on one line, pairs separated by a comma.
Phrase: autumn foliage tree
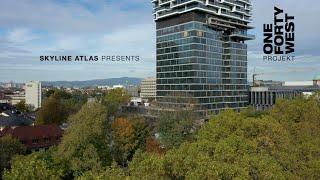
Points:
[[153, 146], [123, 138], [128, 135]]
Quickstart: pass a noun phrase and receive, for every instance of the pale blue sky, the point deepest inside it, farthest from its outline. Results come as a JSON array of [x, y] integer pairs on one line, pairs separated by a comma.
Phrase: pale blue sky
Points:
[[30, 28]]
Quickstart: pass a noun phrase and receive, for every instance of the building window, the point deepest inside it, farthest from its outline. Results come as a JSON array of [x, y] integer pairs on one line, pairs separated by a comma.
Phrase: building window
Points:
[[35, 141]]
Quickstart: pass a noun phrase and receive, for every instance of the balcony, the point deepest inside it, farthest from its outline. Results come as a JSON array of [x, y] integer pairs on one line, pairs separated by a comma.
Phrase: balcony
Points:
[[242, 35]]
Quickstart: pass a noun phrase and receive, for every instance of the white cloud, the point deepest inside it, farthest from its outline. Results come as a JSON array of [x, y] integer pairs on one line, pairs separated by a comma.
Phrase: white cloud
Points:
[[20, 35]]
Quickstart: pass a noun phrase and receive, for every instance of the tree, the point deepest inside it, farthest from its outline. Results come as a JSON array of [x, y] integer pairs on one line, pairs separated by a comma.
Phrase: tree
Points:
[[51, 112], [147, 166], [176, 127], [84, 146], [281, 145], [112, 172], [61, 94], [123, 139], [38, 165], [9, 147], [49, 92], [128, 135], [59, 106], [114, 99], [153, 146], [141, 132], [74, 104], [22, 107]]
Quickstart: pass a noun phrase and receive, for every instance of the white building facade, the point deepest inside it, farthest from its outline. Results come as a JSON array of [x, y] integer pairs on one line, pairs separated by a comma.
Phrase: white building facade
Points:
[[148, 88], [33, 94]]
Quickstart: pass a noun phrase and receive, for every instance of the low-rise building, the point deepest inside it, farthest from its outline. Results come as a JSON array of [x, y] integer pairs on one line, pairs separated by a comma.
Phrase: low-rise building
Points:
[[16, 98], [35, 137], [264, 97], [9, 117]]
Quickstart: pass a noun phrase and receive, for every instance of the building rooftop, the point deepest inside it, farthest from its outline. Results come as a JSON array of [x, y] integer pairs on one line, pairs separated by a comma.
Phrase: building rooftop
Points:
[[34, 137], [12, 118], [286, 88]]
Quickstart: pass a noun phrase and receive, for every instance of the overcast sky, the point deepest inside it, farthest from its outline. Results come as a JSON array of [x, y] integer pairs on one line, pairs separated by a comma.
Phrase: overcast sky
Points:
[[30, 28]]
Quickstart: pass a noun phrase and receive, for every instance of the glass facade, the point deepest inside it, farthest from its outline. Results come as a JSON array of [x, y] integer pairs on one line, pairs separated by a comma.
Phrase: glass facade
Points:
[[201, 53], [195, 61]]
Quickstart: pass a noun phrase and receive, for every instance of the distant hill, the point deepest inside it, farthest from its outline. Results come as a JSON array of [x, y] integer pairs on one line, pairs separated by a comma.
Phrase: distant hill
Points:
[[96, 82]]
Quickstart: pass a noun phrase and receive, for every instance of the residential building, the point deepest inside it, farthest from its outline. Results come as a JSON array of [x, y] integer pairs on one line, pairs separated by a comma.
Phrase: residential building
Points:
[[201, 53], [148, 88], [16, 98], [9, 117], [33, 94], [35, 137]]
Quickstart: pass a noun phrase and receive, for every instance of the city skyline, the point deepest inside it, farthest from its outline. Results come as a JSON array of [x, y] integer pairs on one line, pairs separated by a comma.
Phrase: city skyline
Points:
[[86, 29]]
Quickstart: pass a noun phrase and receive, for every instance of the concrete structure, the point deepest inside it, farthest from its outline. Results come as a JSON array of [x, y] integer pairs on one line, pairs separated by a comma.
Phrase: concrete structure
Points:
[[316, 81], [33, 94], [268, 83], [265, 97], [201, 53], [298, 83], [148, 88], [16, 98]]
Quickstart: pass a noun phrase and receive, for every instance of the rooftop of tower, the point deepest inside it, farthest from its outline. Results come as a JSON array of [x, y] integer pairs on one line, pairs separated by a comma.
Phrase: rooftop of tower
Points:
[[231, 13]]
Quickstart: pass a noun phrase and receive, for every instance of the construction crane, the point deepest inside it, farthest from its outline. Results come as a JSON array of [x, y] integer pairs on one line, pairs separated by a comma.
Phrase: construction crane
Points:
[[254, 78]]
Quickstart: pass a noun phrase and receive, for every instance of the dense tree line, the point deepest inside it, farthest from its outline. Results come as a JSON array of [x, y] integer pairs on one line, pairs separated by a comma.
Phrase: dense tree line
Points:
[[59, 105], [283, 143]]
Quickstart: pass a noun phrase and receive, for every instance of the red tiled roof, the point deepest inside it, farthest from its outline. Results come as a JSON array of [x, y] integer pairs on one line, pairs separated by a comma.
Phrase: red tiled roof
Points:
[[47, 135]]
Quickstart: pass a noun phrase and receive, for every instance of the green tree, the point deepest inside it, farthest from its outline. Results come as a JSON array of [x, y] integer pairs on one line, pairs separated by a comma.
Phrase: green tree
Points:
[[176, 127], [114, 99], [112, 172], [9, 147], [61, 94], [84, 145], [141, 132], [22, 107], [51, 112], [284, 144], [38, 165]]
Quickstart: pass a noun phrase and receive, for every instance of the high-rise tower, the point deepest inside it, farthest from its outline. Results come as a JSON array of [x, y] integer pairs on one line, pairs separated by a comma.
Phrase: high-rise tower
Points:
[[201, 54], [33, 94]]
